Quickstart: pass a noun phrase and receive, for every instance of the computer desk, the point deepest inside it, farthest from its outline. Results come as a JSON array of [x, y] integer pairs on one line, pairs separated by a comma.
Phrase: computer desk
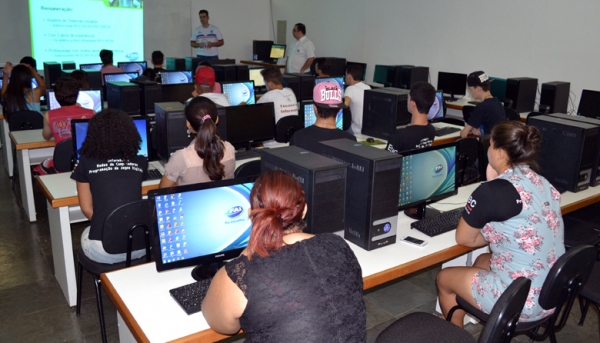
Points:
[[263, 64], [147, 313], [437, 141], [32, 149], [6, 144], [464, 101]]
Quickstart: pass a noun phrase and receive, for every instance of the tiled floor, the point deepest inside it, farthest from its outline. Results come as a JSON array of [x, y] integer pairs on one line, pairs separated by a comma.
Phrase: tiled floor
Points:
[[33, 308]]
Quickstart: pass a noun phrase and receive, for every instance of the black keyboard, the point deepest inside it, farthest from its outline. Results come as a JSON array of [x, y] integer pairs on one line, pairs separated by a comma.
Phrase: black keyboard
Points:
[[446, 130], [154, 174], [190, 297], [436, 225], [246, 154]]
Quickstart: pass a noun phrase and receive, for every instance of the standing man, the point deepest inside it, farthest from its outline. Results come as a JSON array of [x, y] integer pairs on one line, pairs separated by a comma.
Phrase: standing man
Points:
[[206, 38], [354, 96], [303, 54]]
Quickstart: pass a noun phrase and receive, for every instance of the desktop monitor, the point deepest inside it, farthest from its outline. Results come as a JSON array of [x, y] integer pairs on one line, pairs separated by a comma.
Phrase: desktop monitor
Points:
[[176, 77], [438, 109], [381, 74], [200, 225], [498, 87], [124, 77], [452, 83], [91, 66], [277, 51], [307, 111], [257, 77], [589, 104], [238, 92], [363, 66], [79, 129], [34, 83], [89, 98], [428, 175], [250, 123], [130, 67]]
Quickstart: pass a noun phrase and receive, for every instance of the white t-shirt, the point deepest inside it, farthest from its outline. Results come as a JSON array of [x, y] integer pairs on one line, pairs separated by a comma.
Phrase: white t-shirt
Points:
[[217, 98], [284, 101], [357, 94], [205, 35], [303, 50]]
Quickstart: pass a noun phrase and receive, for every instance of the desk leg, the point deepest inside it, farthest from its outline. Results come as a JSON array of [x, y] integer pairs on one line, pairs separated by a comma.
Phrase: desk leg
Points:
[[7, 147], [62, 252], [26, 183], [125, 335]]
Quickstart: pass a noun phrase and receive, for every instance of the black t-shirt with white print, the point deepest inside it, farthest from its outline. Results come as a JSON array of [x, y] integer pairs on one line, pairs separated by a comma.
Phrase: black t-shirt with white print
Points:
[[493, 201], [410, 138]]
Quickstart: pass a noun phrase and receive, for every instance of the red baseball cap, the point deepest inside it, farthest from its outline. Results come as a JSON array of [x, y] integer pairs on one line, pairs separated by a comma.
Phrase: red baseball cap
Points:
[[205, 76]]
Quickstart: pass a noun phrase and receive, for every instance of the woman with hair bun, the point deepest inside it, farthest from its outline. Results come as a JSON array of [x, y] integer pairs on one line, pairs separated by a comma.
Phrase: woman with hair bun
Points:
[[207, 158], [288, 286], [518, 214]]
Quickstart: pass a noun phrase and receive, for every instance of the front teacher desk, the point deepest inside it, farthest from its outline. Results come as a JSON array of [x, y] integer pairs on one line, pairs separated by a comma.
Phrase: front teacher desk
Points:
[[147, 313]]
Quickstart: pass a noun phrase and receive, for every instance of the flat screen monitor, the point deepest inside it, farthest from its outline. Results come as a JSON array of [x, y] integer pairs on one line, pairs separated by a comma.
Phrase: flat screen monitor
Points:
[[363, 66], [310, 117], [238, 92], [90, 66], [176, 77], [250, 123], [452, 83], [437, 111], [79, 129], [34, 83], [125, 77], [380, 75], [257, 77], [130, 67], [200, 224], [277, 51], [498, 88], [428, 175], [589, 104], [89, 98]]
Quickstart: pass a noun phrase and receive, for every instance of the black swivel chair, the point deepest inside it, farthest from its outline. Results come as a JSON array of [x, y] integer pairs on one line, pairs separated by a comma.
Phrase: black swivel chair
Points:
[[469, 152], [286, 127], [590, 293], [63, 156], [467, 111], [20, 121], [248, 169], [511, 114], [125, 229], [424, 327], [564, 280]]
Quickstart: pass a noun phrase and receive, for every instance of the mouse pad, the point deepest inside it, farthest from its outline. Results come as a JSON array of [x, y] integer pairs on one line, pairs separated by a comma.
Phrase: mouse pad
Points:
[[375, 142]]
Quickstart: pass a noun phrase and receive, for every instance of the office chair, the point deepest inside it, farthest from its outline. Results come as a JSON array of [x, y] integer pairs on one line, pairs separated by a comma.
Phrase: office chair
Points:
[[20, 121], [565, 279], [485, 145], [469, 152], [590, 293], [63, 156], [125, 229], [286, 126], [346, 119], [251, 169], [580, 232], [466, 111], [511, 114], [424, 327]]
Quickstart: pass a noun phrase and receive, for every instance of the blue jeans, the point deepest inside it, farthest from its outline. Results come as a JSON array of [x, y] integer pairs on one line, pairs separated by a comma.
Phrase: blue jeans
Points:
[[208, 58]]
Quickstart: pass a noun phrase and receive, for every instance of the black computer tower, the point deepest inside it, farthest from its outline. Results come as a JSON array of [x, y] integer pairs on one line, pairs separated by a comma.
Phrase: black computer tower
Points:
[[521, 91], [170, 128], [323, 181], [94, 78], [307, 83], [124, 96], [52, 71], [223, 61], [555, 97], [567, 153], [191, 63], [150, 93], [225, 72], [383, 110], [175, 63], [261, 49], [411, 75], [394, 76], [242, 73], [69, 65], [372, 188], [595, 177], [292, 82], [178, 92], [222, 123]]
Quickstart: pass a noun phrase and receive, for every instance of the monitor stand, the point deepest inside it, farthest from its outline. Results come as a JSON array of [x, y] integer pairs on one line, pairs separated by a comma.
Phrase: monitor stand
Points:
[[451, 98], [421, 212], [206, 271]]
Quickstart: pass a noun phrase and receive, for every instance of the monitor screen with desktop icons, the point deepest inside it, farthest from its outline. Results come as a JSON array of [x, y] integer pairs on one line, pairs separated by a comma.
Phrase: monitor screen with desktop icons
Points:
[[310, 117], [125, 77], [91, 66], [176, 77], [79, 129], [436, 113], [238, 92], [130, 67]]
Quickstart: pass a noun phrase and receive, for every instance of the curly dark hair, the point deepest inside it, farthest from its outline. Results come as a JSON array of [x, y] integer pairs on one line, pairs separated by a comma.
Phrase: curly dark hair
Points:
[[111, 134], [20, 79]]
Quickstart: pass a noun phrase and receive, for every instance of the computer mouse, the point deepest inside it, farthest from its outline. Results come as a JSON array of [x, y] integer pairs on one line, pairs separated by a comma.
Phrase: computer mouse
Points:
[[370, 140]]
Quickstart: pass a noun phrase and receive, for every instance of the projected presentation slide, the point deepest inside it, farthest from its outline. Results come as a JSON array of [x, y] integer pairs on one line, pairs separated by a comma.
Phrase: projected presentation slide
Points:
[[76, 30]]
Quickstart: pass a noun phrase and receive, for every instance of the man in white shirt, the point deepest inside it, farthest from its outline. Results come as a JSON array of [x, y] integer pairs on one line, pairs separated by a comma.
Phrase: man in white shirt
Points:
[[302, 55], [283, 99], [354, 96], [204, 86], [206, 38]]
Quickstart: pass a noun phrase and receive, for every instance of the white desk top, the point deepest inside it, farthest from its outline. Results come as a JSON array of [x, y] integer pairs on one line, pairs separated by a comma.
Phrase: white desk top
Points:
[[30, 136]]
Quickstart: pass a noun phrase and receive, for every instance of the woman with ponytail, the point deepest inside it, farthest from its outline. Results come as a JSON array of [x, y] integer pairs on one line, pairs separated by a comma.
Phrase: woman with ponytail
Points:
[[288, 286], [517, 212], [207, 158]]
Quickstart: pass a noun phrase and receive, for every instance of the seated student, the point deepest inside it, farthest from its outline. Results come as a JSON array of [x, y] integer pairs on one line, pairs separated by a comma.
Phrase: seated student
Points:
[[489, 112], [108, 68], [354, 96], [419, 133], [207, 158], [158, 58], [322, 67], [111, 141], [204, 86], [283, 99], [29, 61], [288, 286], [17, 93], [217, 87], [327, 102], [81, 78]]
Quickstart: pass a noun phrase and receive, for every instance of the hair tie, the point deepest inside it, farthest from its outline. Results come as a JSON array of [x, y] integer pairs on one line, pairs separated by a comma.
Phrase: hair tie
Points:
[[205, 117]]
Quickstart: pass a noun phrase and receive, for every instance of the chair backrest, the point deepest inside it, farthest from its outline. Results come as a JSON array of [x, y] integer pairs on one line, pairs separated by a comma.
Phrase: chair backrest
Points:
[[250, 169], [127, 228], [347, 119], [286, 127], [466, 111], [485, 145], [469, 151], [63, 156], [25, 120], [511, 114], [506, 312]]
